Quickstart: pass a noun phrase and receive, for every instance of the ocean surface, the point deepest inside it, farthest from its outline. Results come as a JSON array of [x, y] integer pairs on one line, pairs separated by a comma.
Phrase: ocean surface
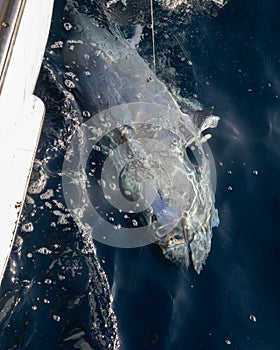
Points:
[[62, 290]]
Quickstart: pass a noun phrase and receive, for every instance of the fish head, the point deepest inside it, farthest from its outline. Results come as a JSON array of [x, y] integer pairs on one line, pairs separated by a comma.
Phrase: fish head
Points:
[[174, 170]]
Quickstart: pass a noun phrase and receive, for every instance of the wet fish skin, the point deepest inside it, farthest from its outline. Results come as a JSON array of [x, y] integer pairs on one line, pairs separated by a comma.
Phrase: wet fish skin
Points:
[[106, 72], [109, 67]]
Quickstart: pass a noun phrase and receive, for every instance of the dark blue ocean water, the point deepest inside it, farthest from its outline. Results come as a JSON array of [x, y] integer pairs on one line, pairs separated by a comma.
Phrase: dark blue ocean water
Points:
[[57, 287]]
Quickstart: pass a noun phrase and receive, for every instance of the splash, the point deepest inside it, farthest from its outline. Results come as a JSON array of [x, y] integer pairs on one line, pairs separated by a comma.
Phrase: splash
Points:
[[173, 4]]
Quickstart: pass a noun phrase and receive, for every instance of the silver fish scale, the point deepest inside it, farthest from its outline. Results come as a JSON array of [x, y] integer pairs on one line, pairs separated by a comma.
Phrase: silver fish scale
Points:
[[155, 137]]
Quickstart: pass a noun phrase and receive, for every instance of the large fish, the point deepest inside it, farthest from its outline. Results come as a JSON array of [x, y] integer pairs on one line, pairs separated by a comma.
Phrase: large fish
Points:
[[162, 168]]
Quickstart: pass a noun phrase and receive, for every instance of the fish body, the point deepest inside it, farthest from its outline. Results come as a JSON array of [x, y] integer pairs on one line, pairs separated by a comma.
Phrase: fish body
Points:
[[110, 67], [107, 74]]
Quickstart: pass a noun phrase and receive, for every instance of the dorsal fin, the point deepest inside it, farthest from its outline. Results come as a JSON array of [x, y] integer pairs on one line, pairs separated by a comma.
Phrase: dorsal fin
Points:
[[201, 115], [137, 36]]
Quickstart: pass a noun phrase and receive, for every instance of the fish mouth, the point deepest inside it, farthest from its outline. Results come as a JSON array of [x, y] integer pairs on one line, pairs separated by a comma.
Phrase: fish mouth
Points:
[[185, 235], [182, 245]]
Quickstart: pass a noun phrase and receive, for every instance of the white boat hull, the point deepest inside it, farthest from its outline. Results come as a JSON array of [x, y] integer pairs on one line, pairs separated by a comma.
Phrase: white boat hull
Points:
[[21, 116]]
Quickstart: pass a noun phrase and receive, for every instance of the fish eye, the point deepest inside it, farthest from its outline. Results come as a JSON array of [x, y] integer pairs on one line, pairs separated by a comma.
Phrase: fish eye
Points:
[[193, 156]]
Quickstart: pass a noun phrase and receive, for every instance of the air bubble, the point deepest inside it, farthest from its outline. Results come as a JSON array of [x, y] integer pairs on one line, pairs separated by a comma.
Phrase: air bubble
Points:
[[56, 318], [57, 45], [28, 227], [47, 195], [67, 26], [86, 114], [44, 251], [96, 148], [48, 281], [113, 186], [134, 222], [69, 84], [252, 318], [48, 205]]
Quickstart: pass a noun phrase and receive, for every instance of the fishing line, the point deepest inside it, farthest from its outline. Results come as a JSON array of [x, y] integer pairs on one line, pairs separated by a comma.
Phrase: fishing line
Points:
[[153, 35]]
